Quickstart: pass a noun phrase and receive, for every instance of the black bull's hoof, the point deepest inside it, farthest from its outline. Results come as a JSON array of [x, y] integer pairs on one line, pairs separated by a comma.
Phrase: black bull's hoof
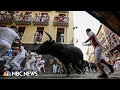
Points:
[[78, 72], [67, 75], [2, 63]]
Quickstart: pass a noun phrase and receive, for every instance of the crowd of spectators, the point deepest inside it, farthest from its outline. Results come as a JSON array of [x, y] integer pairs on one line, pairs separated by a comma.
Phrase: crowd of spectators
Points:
[[61, 18], [27, 16]]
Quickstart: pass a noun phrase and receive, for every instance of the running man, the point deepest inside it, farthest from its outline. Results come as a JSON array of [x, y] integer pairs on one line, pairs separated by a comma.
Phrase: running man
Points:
[[97, 53], [7, 37]]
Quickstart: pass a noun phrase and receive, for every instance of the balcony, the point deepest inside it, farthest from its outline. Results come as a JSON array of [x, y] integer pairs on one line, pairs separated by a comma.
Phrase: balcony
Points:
[[60, 23], [22, 22], [61, 20], [23, 19], [5, 20], [41, 23], [41, 19]]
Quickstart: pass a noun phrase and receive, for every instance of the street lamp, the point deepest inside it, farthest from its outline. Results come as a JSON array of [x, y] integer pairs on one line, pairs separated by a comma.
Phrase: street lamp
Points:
[[75, 27], [76, 40]]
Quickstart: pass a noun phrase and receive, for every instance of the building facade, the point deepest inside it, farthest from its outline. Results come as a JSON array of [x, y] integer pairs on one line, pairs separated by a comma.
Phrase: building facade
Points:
[[109, 40], [32, 24]]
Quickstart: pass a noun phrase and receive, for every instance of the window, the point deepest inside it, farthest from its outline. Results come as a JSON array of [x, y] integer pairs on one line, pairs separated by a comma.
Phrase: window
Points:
[[43, 13], [115, 40], [60, 35], [38, 34], [62, 15], [28, 12], [40, 29], [21, 31]]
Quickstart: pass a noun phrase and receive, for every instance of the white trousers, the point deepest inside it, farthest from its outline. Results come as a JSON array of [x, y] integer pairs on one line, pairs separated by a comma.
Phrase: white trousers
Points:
[[114, 66], [4, 46], [30, 64], [17, 61], [117, 67], [97, 54], [54, 68], [62, 39], [41, 66], [8, 59], [58, 70]]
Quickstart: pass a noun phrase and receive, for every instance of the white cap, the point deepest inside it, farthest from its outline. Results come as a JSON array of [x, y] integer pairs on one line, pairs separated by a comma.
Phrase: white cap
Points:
[[40, 56], [32, 53]]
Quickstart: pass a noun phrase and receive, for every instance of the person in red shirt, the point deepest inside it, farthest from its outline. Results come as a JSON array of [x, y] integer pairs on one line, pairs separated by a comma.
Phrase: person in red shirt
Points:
[[97, 53]]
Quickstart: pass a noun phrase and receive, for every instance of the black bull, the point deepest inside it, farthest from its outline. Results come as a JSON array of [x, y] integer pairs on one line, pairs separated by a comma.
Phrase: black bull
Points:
[[67, 54]]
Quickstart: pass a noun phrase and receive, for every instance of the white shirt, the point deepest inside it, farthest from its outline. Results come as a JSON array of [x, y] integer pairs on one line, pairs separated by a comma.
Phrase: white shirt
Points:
[[103, 57], [8, 35], [22, 51], [32, 56], [94, 40], [42, 62], [37, 33], [61, 35]]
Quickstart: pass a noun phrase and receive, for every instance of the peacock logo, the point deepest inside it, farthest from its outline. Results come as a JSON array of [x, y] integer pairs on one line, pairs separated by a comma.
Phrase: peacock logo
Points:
[[7, 73]]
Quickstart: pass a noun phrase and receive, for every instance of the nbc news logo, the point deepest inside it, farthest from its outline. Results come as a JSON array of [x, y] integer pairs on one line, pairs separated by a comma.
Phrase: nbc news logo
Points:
[[7, 73], [20, 73]]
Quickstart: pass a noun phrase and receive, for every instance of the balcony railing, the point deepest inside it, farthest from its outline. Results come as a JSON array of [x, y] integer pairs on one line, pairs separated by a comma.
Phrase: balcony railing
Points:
[[5, 20], [22, 19], [22, 22], [60, 23], [41, 23], [41, 20]]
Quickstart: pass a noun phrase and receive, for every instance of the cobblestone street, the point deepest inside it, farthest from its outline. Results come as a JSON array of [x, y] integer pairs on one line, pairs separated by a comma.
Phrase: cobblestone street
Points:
[[115, 75]]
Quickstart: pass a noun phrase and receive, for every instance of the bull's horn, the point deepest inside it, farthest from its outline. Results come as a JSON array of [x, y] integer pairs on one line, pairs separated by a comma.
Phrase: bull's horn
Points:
[[49, 36]]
